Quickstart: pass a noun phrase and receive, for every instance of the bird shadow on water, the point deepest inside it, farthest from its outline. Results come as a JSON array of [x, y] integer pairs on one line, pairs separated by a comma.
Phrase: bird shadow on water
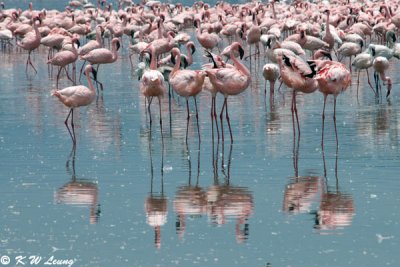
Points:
[[79, 192]]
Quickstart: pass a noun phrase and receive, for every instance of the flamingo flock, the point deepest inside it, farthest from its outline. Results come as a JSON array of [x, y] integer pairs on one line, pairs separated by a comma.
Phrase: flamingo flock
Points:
[[305, 46]]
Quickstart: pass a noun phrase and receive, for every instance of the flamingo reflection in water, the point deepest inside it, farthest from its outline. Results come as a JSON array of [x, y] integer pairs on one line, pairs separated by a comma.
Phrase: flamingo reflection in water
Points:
[[79, 192], [226, 201], [155, 204], [301, 191], [336, 209], [190, 200]]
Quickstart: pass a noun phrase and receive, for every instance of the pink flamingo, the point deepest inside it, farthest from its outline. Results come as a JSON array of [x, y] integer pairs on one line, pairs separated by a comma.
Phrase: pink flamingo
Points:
[[271, 74], [152, 83], [333, 78], [381, 64], [30, 42], [296, 74], [76, 96], [92, 44], [64, 58], [230, 81], [206, 39], [186, 83], [103, 56]]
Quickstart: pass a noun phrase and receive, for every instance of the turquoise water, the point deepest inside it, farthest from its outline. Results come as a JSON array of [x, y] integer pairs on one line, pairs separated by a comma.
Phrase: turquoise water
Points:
[[263, 200]]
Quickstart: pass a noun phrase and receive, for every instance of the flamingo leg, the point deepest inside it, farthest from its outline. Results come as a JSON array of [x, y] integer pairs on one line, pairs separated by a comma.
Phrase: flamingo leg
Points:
[[221, 117], [358, 81], [80, 72], [159, 106], [69, 78], [295, 112], [197, 117], [149, 99], [71, 134], [58, 76], [369, 82], [334, 119], [30, 61], [228, 120], [187, 119], [271, 91], [323, 120]]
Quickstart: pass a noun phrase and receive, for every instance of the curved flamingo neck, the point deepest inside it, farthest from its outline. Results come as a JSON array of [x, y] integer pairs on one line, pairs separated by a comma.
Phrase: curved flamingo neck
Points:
[[328, 30], [91, 87], [239, 65], [177, 66], [98, 36], [114, 51], [189, 55], [153, 62]]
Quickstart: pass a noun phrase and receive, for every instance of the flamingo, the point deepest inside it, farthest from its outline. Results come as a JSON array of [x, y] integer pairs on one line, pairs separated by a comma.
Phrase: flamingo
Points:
[[30, 42], [64, 58], [333, 78], [152, 82], [92, 44], [381, 64], [349, 49], [296, 74], [271, 74], [103, 56], [76, 96], [230, 81], [363, 61], [206, 39], [186, 83]]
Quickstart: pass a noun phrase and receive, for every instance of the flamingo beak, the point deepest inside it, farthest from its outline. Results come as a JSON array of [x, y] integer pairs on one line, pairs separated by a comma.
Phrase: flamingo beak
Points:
[[193, 49], [185, 63], [78, 43], [118, 45], [173, 59], [241, 52], [388, 92], [94, 72]]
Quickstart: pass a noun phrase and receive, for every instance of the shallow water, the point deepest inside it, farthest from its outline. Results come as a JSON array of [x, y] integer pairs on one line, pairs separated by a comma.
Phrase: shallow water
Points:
[[263, 200]]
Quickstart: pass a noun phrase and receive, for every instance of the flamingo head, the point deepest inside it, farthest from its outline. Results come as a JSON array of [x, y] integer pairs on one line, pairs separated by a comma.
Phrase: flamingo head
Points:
[[390, 35], [37, 18], [196, 23], [320, 53], [241, 51], [76, 41], [192, 47], [94, 72]]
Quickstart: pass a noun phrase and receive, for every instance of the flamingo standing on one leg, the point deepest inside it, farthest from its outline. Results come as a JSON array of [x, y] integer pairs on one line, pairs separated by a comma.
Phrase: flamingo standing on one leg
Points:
[[30, 42], [103, 56], [187, 83], [76, 96], [230, 81], [333, 78], [63, 58]]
